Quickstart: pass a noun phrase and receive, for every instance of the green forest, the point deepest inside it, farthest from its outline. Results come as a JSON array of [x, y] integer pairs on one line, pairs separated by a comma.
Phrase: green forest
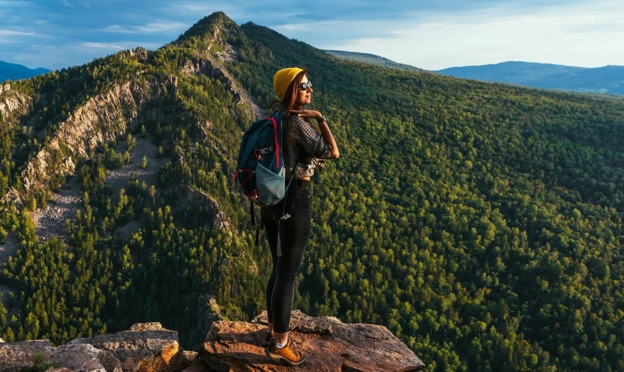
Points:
[[481, 223]]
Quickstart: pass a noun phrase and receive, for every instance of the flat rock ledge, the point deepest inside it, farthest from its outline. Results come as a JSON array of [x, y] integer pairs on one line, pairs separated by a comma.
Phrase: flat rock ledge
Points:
[[145, 347], [329, 345]]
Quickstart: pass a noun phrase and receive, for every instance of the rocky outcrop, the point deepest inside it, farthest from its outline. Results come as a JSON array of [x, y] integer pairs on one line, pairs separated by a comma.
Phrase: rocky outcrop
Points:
[[329, 345], [144, 347], [100, 119], [18, 355], [11, 102]]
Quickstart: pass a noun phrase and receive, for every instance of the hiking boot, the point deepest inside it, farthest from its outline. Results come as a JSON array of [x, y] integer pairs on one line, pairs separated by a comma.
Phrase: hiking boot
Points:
[[287, 354]]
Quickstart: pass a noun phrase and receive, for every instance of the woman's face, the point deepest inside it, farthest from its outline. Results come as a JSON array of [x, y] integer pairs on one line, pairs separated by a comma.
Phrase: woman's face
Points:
[[304, 96]]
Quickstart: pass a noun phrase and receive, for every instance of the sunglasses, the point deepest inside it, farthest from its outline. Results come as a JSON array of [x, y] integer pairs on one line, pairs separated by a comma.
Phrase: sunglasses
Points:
[[305, 85]]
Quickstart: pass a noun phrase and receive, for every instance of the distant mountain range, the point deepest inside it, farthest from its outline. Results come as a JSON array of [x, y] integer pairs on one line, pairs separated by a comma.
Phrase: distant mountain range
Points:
[[607, 79], [371, 59], [14, 71]]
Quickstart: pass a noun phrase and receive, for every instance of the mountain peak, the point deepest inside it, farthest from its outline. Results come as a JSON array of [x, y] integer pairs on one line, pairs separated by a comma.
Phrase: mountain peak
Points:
[[207, 25]]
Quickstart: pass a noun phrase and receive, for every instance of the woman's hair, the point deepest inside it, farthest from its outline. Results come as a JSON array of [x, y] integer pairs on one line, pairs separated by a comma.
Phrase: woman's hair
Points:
[[288, 104]]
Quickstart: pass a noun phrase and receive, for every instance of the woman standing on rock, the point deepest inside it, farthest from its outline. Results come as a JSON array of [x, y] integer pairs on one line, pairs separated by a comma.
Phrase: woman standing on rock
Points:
[[304, 144]]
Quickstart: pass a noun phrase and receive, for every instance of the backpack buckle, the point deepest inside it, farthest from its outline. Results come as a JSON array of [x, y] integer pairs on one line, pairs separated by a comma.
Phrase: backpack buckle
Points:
[[258, 154]]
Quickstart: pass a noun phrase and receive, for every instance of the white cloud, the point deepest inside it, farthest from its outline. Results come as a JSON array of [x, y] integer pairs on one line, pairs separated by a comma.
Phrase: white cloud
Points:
[[152, 27], [115, 45], [10, 3], [17, 33], [590, 35], [101, 45]]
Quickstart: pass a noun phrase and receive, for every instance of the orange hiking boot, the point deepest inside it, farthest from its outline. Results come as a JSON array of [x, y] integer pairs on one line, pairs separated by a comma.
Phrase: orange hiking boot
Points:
[[287, 354]]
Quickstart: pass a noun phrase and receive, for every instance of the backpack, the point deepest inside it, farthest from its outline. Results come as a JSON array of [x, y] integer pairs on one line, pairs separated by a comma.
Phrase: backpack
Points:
[[260, 168]]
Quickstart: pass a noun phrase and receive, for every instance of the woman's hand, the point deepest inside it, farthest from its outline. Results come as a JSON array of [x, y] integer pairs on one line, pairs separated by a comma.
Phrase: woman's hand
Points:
[[323, 128], [308, 114]]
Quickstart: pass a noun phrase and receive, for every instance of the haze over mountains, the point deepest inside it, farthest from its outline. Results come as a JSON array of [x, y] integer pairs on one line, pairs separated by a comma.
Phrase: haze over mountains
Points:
[[370, 58], [607, 79], [14, 71], [482, 223]]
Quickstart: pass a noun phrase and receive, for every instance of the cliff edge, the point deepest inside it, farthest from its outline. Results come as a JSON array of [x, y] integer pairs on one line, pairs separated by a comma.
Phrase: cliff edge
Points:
[[329, 344]]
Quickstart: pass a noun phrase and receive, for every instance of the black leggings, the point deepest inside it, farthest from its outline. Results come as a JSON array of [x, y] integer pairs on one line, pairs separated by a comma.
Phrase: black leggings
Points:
[[294, 234]]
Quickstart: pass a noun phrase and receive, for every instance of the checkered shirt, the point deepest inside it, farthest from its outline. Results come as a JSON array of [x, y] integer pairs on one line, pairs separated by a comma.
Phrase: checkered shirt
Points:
[[309, 143]]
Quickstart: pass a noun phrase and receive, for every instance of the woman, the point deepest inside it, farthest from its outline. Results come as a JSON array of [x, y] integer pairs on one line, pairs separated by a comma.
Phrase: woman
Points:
[[287, 224]]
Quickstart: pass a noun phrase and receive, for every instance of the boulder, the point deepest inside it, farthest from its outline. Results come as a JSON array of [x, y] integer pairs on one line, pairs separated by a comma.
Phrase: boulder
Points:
[[144, 347], [329, 345], [17, 355], [82, 358], [14, 356]]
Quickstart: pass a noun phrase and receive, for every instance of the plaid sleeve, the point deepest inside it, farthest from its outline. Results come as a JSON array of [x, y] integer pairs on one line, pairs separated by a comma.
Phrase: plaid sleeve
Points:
[[310, 140]]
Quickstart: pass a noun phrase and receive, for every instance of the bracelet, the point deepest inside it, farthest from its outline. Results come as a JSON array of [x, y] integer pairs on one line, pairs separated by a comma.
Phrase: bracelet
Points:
[[324, 118]]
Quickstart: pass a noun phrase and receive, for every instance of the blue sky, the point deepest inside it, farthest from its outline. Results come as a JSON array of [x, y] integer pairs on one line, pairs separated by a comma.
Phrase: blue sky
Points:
[[427, 34]]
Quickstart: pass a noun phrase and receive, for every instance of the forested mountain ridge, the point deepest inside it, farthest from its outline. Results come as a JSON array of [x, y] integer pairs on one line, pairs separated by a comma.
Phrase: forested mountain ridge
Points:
[[482, 223], [370, 59]]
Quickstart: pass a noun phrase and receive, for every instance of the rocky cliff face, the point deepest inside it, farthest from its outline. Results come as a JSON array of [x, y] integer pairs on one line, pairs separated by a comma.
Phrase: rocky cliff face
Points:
[[329, 344], [11, 101], [100, 119]]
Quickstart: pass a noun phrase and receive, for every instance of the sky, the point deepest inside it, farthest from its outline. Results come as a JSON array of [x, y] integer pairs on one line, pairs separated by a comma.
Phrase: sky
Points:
[[430, 34]]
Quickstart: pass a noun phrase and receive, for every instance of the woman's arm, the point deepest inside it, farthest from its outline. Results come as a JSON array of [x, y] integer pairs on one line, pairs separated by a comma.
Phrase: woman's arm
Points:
[[329, 137], [323, 128]]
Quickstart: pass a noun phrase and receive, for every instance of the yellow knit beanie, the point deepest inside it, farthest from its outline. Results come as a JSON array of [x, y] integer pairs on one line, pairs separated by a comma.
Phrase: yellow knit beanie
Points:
[[282, 80]]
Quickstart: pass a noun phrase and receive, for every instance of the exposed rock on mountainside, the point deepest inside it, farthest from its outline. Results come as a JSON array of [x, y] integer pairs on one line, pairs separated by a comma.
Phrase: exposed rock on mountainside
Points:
[[49, 220], [119, 178], [329, 345], [11, 101], [214, 69], [100, 119], [209, 312]]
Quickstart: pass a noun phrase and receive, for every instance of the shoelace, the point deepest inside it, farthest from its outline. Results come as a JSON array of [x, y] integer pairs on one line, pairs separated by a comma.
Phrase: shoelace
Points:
[[296, 353]]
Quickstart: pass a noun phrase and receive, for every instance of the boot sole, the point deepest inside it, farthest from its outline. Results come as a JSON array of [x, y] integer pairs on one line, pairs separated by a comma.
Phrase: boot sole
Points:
[[278, 357]]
